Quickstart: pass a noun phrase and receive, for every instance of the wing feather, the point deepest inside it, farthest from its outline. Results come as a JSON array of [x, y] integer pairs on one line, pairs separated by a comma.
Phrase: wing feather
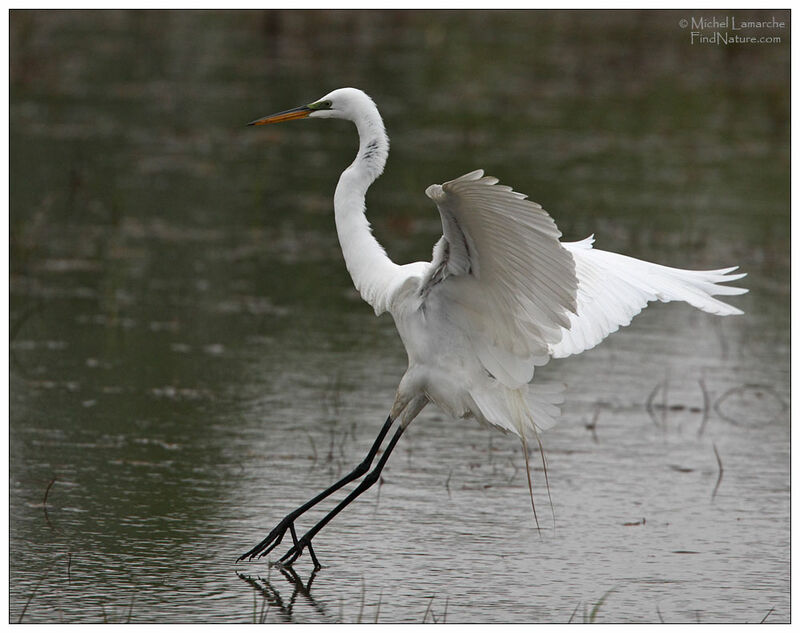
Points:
[[503, 274], [503, 277], [614, 288]]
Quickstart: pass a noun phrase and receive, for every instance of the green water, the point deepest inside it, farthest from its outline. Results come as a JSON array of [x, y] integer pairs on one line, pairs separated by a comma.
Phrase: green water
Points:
[[189, 361]]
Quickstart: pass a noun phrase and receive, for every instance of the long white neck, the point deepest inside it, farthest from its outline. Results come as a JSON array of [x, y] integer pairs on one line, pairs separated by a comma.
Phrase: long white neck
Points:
[[370, 268]]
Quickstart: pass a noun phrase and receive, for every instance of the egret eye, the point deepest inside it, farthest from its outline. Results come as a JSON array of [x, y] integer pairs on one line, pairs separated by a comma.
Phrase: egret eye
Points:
[[320, 105]]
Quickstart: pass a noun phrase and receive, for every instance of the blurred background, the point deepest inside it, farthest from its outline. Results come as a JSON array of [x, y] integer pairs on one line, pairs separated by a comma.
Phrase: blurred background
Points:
[[189, 360]]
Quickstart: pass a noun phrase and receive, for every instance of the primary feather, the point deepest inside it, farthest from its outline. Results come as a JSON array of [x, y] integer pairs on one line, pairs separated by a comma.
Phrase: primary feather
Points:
[[613, 288]]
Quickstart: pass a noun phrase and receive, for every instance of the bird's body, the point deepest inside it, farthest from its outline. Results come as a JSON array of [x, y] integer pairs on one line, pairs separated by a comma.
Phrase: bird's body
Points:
[[501, 296]]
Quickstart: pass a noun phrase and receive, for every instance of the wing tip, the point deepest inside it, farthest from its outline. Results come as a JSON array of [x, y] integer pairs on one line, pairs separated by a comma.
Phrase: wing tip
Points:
[[435, 192], [479, 178], [476, 174]]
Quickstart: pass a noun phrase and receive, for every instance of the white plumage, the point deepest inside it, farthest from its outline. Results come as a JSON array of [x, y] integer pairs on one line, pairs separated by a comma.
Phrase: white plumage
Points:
[[516, 296], [613, 288], [501, 296]]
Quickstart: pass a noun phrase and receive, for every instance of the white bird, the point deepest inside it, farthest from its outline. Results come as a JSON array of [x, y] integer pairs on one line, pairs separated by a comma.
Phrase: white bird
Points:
[[501, 296]]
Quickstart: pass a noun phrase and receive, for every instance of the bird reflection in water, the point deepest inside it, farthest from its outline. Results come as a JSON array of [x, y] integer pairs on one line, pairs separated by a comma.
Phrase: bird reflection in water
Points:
[[272, 598]]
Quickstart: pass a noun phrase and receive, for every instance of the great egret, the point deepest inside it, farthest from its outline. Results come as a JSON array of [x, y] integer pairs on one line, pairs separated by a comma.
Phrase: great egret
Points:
[[500, 296]]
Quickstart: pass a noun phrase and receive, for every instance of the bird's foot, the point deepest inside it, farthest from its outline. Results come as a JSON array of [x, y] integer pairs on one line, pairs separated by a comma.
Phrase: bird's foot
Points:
[[294, 552], [272, 540]]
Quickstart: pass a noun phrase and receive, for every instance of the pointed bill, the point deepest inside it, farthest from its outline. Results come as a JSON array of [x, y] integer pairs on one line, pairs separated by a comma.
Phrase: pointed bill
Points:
[[287, 115]]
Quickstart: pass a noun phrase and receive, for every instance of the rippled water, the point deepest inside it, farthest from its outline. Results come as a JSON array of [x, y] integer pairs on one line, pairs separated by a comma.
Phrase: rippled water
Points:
[[189, 361]]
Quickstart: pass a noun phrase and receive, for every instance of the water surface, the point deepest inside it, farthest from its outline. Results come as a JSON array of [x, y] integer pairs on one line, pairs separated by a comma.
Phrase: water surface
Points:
[[189, 360]]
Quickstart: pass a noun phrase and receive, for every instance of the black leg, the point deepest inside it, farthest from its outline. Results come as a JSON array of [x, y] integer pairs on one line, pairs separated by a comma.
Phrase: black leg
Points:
[[274, 538], [305, 541]]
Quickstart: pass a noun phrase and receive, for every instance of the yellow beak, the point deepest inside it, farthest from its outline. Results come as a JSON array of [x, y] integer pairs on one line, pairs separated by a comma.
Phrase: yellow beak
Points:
[[287, 115]]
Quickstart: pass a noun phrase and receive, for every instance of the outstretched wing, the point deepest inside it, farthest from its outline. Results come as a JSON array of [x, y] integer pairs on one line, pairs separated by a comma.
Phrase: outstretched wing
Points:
[[500, 273], [614, 288]]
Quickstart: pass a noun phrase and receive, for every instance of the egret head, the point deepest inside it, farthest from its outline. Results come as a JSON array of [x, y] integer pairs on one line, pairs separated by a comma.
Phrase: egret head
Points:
[[343, 103]]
